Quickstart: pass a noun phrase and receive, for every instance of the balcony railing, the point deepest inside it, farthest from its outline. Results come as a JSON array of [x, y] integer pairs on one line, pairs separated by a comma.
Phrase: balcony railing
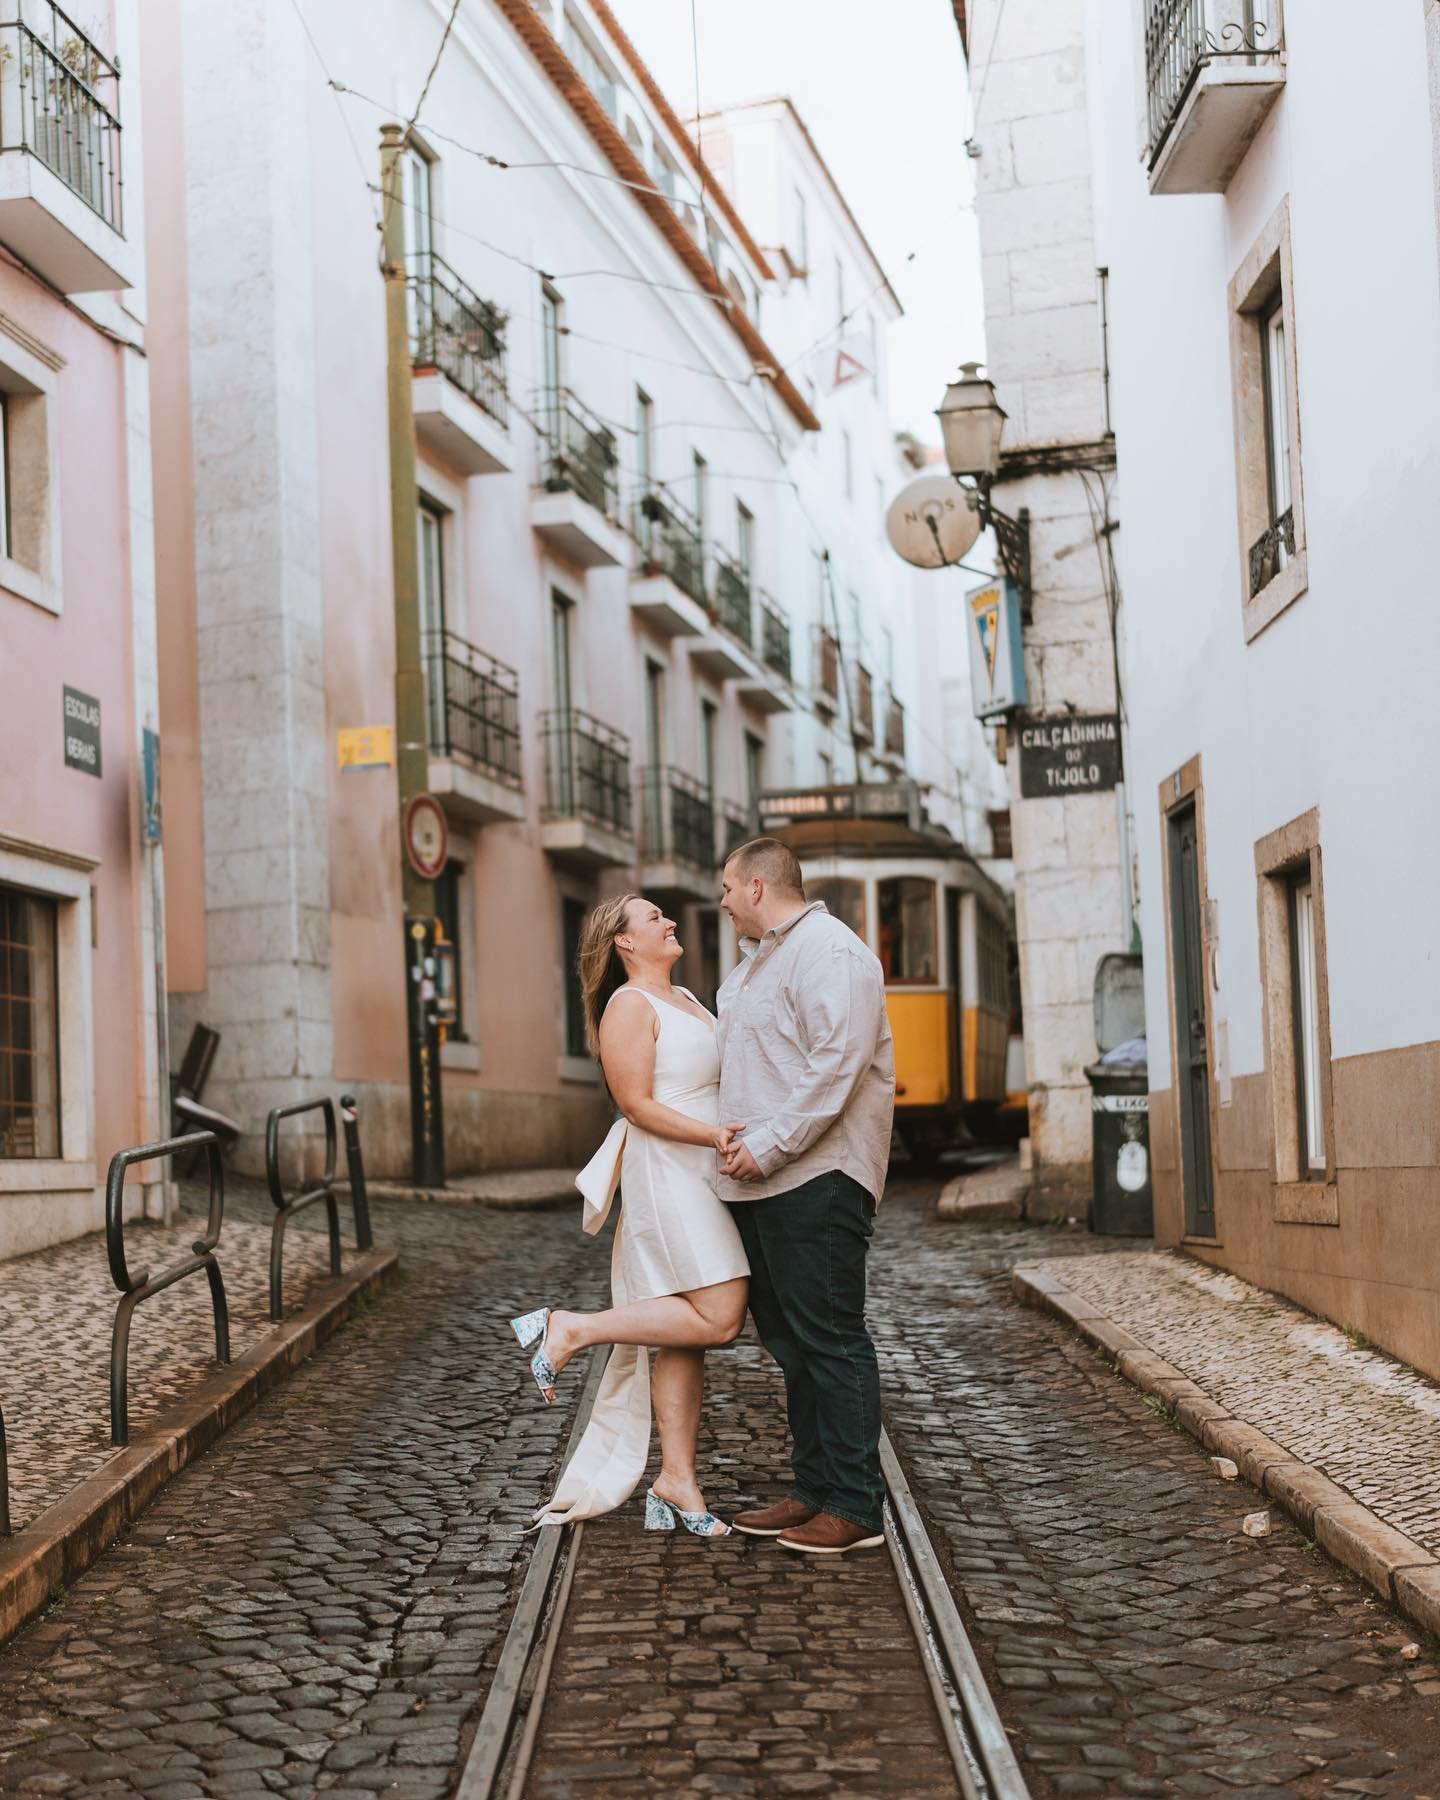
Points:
[[677, 819], [1271, 550], [671, 544], [827, 666], [731, 605], [580, 453], [895, 728], [1182, 36], [473, 703], [60, 101], [774, 638], [453, 330], [587, 770], [862, 703]]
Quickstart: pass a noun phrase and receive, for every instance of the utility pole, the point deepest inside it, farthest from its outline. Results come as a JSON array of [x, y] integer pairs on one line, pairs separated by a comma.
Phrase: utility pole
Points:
[[427, 1128]]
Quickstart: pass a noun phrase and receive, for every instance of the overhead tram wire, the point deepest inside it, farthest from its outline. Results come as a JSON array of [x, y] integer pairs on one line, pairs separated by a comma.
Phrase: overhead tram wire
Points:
[[414, 118], [336, 90]]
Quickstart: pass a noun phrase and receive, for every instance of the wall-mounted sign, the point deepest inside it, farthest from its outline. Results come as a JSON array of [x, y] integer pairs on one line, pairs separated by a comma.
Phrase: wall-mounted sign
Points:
[[367, 746], [427, 836], [82, 731], [997, 659], [1075, 754], [868, 800]]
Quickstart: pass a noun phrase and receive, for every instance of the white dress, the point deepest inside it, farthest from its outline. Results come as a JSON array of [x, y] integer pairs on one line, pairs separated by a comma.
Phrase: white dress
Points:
[[673, 1236]]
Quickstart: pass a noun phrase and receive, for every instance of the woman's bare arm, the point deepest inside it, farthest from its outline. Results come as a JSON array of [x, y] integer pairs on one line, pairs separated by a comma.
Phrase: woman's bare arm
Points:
[[627, 1054]]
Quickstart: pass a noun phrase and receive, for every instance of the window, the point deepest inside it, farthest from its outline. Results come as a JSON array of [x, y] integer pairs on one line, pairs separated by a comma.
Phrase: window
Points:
[[1305, 1013], [744, 536], [654, 713], [418, 197], [447, 910], [432, 620], [709, 726], [560, 611], [1269, 484], [1277, 415], [698, 468], [754, 766], [644, 439], [29, 1027], [572, 924], [845, 898], [551, 327], [905, 914], [1297, 1022]]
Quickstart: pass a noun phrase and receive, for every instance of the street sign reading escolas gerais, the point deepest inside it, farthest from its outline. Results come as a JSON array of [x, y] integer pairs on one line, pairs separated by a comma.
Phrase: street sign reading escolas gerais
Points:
[[1075, 754], [82, 731]]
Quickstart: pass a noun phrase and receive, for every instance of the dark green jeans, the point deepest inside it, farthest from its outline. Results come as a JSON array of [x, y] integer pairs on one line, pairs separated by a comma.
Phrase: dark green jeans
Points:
[[807, 1297]]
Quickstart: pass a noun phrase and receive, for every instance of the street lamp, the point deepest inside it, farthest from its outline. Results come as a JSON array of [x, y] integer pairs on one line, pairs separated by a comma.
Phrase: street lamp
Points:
[[972, 422]]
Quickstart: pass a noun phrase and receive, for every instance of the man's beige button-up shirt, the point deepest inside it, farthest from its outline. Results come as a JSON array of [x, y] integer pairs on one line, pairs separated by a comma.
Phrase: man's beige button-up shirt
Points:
[[807, 1063]]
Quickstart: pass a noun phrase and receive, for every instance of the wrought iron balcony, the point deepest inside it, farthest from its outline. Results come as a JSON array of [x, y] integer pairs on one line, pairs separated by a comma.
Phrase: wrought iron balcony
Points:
[[895, 728], [671, 544], [827, 667], [580, 454], [473, 704], [587, 770], [862, 704], [60, 102], [774, 638], [1190, 46], [453, 330], [731, 606], [1269, 552], [677, 819]]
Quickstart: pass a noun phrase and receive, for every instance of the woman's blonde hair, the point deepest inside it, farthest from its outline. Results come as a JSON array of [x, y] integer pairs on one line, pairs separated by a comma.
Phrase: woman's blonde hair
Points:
[[600, 965]]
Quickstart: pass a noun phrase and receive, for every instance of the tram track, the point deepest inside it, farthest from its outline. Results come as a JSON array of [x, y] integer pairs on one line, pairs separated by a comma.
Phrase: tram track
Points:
[[503, 1746]]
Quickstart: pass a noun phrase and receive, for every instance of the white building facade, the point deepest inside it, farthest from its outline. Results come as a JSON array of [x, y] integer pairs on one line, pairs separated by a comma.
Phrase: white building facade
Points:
[[649, 585], [1045, 329], [1275, 356]]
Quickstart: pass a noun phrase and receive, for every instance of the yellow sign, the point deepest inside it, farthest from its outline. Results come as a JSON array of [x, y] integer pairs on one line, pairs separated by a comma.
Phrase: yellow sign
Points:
[[367, 746]]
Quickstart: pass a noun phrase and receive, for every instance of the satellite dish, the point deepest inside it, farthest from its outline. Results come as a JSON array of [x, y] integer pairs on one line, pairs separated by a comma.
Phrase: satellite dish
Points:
[[931, 522]]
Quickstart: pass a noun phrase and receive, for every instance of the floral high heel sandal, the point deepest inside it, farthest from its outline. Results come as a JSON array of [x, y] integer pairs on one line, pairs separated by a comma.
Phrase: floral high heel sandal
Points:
[[661, 1514], [527, 1328]]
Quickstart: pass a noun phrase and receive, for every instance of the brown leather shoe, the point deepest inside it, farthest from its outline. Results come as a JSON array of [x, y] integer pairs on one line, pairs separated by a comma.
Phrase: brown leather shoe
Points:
[[825, 1535], [774, 1519]]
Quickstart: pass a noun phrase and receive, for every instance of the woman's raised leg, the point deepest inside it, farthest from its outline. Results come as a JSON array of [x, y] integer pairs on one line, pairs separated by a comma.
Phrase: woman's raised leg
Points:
[[693, 1321]]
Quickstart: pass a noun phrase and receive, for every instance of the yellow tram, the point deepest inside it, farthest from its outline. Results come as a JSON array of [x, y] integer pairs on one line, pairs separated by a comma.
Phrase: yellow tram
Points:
[[941, 929]]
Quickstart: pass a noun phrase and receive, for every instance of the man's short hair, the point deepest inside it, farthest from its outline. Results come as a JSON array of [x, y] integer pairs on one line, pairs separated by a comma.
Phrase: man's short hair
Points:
[[773, 862]]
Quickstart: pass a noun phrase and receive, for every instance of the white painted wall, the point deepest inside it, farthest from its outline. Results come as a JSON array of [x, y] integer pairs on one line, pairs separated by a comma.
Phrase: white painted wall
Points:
[[1331, 704]]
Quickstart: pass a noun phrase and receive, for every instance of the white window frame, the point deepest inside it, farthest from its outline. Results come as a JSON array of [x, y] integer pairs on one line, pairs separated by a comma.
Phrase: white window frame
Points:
[[1305, 1005], [30, 566]]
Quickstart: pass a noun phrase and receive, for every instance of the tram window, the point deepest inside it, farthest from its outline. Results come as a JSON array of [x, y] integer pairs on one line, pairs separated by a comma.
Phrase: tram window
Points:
[[906, 912], [993, 959], [845, 899]]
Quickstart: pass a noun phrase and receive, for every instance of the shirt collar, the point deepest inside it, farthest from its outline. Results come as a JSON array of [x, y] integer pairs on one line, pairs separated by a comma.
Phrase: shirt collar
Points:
[[749, 945]]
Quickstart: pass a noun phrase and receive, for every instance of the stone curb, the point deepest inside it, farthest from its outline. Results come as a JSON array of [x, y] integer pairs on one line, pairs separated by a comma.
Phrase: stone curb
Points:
[[62, 1542], [1395, 1566], [551, 1201]]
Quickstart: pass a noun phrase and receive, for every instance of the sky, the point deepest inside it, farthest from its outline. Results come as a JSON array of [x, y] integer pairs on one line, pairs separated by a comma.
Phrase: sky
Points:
[[884, 92]]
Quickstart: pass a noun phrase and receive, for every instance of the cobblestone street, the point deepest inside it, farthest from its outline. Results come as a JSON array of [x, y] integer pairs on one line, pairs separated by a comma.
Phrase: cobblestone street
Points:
[[313, 1605]]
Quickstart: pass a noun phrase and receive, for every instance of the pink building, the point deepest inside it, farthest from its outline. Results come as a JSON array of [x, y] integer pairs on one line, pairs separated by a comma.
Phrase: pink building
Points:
[[82, 1064]]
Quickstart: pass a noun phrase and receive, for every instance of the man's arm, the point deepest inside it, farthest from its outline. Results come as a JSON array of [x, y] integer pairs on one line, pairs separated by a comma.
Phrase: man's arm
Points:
[[841, 1003]]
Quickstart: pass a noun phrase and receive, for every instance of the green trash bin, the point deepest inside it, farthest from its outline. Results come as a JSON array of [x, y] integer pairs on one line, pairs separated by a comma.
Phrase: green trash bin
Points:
[[1120, 1133]]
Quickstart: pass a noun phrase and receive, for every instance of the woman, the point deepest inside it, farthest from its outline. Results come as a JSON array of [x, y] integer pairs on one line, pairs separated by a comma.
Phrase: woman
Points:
[[679, 1277]]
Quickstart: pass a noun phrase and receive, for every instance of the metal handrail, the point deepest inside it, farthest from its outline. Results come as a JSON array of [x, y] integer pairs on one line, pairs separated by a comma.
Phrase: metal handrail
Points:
[[287, 1205], [671, 543], [474, 703], [135, 1288], [49, 83], [587, 770], [774, 637], [731, 606], [1265, 552], [580, 452], [454, 330]]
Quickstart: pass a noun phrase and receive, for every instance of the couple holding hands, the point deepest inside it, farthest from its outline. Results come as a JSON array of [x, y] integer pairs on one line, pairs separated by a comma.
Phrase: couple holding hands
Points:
[[750, 1154]]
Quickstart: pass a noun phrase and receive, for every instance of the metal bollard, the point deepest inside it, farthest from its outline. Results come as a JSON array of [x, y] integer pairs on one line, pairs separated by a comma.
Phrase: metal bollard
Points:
[[355, 1163]]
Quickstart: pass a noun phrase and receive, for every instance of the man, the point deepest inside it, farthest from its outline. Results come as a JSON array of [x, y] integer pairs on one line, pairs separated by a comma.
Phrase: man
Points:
[[807, 1067]]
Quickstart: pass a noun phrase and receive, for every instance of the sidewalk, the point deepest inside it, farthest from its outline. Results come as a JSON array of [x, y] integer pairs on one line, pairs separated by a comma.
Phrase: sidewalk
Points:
[[1342, 1437], [70, 1489]]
